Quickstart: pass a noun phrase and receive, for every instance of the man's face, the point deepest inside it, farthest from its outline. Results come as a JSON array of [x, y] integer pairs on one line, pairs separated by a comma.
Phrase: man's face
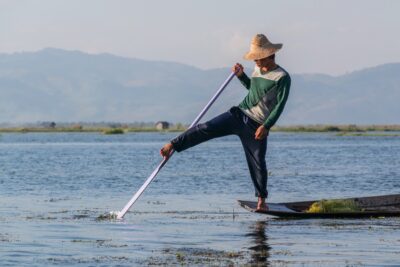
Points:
[[263, 62]]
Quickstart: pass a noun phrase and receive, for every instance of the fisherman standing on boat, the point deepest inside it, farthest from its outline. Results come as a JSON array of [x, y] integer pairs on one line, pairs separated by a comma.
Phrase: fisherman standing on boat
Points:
[[252, 119]]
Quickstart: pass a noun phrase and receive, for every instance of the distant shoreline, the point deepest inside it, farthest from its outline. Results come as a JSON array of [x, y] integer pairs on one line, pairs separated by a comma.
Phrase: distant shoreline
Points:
[[339, 128], [342, 129]]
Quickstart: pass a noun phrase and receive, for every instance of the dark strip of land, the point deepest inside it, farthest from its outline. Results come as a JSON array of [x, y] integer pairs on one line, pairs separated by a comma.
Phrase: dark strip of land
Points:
[[350, 129]]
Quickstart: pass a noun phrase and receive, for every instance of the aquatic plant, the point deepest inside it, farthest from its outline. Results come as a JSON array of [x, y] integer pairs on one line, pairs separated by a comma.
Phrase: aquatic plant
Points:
[[112, 215], [180, 257]]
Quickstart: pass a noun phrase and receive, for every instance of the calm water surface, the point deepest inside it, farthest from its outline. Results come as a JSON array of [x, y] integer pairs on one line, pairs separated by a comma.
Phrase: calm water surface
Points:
[[54, 186]]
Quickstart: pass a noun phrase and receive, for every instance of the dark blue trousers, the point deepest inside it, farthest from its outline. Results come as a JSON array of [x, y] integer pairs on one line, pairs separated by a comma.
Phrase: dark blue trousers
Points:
[[232, 122]]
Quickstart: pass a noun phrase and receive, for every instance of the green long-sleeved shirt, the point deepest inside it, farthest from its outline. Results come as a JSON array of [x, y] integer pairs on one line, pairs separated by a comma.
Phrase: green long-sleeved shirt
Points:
[[267, 96]]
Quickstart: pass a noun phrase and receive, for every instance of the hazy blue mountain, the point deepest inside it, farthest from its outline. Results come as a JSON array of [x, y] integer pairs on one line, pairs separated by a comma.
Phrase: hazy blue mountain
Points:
[[59, 85]]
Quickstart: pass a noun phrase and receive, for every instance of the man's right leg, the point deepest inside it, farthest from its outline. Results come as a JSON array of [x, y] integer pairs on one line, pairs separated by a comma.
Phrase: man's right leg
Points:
[[255, 151], [222, 125]]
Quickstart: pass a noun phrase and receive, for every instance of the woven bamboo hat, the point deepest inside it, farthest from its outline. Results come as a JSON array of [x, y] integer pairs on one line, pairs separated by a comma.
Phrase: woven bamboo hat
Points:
[[261, 47]]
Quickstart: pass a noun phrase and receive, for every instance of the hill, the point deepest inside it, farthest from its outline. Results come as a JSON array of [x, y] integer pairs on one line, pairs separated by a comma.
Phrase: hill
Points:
[[59, 85]]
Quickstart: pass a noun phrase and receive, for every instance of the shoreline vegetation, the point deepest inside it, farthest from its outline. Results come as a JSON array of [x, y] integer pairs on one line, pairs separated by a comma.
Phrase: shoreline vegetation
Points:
[[340, 130], [384, 130]]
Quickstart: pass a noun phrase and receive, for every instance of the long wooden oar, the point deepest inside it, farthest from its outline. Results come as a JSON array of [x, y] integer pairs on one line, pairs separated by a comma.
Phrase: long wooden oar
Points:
[[121, 213]]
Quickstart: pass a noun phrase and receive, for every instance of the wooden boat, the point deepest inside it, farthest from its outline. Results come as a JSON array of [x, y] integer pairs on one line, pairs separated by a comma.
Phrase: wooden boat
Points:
[[374, 206]]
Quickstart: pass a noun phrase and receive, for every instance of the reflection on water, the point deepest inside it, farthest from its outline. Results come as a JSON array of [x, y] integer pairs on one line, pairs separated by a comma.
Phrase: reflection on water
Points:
[[260, 249]]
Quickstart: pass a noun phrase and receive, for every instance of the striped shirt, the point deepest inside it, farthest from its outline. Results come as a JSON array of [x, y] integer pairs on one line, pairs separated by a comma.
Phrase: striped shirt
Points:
[[267, 96]]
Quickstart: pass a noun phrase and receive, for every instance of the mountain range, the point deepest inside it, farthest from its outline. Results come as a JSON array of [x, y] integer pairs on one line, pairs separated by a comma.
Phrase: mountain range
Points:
[[60, 85]]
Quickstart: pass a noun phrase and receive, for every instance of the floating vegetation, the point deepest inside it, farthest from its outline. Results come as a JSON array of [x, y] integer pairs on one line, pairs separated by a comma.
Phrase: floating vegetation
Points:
[[368, 134], [113, 131], [112, 215], [40, 217], [56, 199], [333, 205], [197, 257], [180, 257], [156, 202], [91, 261], [99, 242], [6, 238]]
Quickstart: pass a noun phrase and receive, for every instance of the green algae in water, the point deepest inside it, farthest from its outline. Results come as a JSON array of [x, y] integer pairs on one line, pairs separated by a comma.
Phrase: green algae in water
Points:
[[112, 215], [333, 206]]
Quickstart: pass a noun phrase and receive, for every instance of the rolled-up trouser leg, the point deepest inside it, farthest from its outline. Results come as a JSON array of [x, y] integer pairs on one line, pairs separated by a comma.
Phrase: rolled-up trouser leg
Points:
[[255, 151], [224, 124]]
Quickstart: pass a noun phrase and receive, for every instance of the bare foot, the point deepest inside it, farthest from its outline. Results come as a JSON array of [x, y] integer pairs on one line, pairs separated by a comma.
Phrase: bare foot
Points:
[[166, 150], [261, 205]]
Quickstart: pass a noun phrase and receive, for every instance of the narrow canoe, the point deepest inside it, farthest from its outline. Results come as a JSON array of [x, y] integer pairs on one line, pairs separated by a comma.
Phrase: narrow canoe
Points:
[[374, 206]]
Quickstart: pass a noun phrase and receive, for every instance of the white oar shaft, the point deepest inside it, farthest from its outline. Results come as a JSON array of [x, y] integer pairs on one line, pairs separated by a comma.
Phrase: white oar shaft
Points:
[[122, 213]]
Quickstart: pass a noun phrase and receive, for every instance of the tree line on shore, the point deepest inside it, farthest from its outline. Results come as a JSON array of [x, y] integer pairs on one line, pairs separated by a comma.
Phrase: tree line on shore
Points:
[[118, 127]]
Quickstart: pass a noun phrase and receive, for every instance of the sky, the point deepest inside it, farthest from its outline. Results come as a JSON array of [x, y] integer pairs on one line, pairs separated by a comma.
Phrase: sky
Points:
[[331, 37]]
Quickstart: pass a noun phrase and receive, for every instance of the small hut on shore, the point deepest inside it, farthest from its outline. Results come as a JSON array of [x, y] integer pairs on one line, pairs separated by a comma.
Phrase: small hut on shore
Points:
[[48, 124], [162, 125]]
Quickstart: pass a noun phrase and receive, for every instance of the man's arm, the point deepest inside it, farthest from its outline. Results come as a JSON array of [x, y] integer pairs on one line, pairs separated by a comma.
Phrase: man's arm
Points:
[[243, 78], [283, 93]]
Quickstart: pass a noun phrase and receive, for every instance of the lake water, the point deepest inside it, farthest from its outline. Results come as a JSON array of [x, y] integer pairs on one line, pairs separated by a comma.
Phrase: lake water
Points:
[[54, 186]]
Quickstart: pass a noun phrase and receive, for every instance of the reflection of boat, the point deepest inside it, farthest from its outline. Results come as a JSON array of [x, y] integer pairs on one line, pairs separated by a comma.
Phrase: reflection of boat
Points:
[[376, 206]]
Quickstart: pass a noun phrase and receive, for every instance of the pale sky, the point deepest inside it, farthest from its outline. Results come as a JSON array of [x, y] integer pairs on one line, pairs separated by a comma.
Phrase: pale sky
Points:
[[332, 37]]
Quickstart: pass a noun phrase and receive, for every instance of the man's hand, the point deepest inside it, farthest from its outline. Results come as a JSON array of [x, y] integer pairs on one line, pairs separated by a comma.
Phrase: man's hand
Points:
[[238, 69], [166, 150], [261, 133]]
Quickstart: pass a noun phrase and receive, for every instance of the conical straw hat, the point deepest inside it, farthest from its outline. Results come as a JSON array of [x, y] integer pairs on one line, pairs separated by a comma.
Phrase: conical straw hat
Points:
[[261, 47]]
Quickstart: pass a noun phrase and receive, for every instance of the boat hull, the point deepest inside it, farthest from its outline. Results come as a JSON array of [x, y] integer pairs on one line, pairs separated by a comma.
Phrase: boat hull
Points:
[[372, 207]]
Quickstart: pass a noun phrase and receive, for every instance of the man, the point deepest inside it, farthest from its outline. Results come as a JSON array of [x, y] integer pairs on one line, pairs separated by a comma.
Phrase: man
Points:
[[252, 119]]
